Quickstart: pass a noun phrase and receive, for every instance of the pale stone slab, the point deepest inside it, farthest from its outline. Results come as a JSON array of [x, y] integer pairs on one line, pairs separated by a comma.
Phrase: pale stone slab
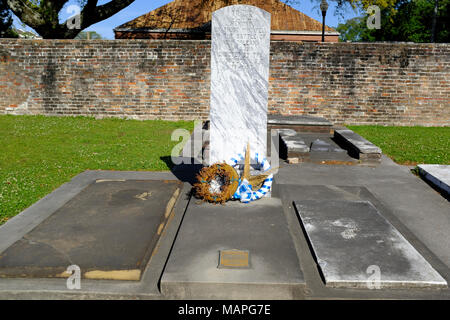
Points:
[[355, 246], [437, 174], [240, 52], [295, 144]]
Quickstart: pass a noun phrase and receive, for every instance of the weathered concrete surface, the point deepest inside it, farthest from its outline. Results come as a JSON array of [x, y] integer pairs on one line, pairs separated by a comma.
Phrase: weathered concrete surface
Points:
[[438, 175], [357, 247], [94, 230], [326, 158], [325, 145], [407, 202], [259, 227], [295, 144], [146, 288]]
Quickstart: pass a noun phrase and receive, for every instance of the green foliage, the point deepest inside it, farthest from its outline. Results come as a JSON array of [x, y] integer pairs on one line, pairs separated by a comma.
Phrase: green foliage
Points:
[[43, 15], [6, 21], [410, 145], [411, 21], [38, 154], [367, 3], [83, 35], [352, 30]]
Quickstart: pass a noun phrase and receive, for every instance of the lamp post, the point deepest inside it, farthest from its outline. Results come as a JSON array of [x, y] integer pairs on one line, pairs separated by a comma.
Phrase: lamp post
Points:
[[323, 8]]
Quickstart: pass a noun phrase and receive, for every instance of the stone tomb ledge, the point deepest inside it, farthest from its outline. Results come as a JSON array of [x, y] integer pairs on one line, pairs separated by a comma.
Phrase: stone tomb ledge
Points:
[[259, 229], [358, 147], [300, 123], [438, 175], [312, 147], [292, 145]]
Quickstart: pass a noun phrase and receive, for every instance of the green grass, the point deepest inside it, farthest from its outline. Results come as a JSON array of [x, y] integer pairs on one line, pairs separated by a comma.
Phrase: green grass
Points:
[[410, 145], [38, 154]]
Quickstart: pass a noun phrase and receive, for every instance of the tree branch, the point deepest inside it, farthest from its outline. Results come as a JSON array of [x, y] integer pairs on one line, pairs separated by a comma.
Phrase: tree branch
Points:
[[109, 9], [91, 15], [27, 12], [54, 5]]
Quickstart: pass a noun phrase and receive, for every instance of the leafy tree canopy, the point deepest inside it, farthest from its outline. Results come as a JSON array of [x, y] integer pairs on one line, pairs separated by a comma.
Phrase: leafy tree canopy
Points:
[[411, 21], [6, 21], [43, 15]]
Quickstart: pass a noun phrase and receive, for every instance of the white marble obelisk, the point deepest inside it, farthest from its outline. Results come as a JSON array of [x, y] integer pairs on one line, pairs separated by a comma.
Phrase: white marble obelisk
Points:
[[240, 54]]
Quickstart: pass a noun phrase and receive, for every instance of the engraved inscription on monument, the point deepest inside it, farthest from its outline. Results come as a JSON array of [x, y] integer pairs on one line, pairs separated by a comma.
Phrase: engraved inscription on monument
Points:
[[239, 81]]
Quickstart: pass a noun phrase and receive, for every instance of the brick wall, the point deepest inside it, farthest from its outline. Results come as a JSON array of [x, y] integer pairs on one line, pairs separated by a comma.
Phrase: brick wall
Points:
[[398, 84]]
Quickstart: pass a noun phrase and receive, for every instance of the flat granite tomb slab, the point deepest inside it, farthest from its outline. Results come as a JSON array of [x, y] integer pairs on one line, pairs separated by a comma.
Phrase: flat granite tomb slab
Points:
[[355, 246], [260, 229], [438, 175], [109, 230]]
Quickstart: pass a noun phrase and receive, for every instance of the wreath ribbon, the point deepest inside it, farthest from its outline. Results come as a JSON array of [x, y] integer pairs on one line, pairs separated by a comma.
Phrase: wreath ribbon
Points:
[[244, 191]]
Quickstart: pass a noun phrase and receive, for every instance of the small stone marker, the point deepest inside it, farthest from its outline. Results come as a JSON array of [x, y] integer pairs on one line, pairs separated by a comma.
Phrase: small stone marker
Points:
[[240, 54]]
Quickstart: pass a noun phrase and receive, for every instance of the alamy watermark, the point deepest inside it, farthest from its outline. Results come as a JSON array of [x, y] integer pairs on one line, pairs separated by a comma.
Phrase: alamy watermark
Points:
[[189, 147], [74, 21], [74, 280], [374, 18], [375, 277]]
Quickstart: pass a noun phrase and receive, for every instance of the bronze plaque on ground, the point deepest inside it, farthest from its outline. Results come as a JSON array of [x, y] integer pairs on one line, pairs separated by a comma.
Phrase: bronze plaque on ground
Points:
[[231, 259], [109, 230]]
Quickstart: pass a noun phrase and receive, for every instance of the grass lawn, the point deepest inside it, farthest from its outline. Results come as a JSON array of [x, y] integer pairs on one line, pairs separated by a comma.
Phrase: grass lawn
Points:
[[410, 145], [38, 154]]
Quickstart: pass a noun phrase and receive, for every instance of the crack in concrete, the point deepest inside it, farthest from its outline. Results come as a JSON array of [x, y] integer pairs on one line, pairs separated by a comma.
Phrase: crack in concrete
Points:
[[30, 241]]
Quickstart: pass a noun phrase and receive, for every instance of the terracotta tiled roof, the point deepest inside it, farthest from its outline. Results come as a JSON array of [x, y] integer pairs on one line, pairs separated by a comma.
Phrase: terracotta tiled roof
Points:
[[182, 14]]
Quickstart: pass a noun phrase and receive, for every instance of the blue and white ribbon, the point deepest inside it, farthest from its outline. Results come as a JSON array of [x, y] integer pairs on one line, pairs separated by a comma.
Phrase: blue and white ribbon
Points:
[[244, 191]]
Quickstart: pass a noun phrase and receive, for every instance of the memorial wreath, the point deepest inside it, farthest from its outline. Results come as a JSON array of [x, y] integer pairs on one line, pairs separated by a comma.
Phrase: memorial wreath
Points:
[[216, 183]]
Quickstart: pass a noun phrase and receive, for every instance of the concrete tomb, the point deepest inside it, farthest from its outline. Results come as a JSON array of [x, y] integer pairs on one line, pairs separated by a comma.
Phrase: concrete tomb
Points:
[[109, 230]]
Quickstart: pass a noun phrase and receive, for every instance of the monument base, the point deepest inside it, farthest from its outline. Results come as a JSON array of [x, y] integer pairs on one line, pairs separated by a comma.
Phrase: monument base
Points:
[[259, 229]]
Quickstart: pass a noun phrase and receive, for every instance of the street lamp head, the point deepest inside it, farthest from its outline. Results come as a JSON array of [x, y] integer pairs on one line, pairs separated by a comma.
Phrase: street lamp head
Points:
[[324, 6]]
